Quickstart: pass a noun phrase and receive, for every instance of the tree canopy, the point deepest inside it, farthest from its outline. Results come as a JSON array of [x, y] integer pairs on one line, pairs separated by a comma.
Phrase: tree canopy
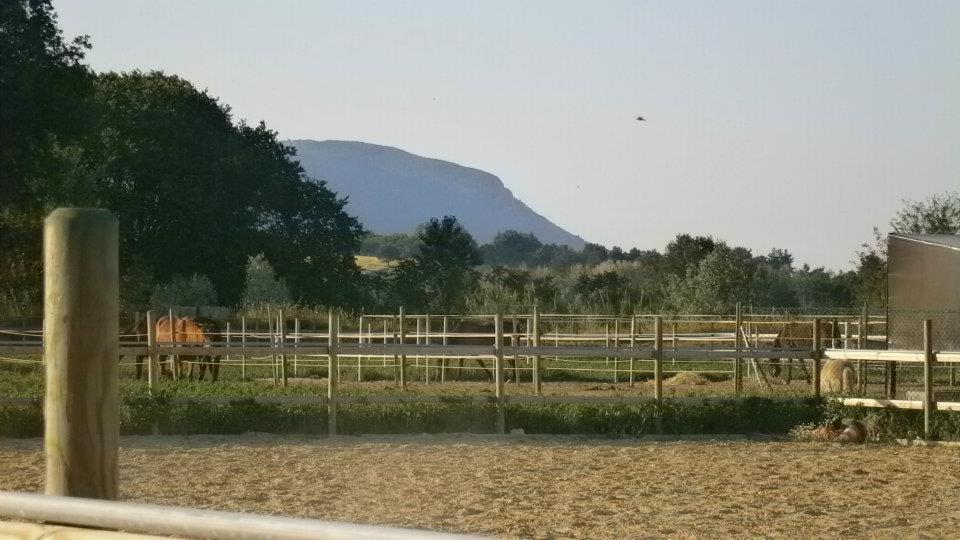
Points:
[[195, 193]]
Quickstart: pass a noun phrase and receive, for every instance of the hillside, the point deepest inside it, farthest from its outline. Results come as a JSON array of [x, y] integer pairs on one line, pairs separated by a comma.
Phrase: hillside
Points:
[[392, 191]]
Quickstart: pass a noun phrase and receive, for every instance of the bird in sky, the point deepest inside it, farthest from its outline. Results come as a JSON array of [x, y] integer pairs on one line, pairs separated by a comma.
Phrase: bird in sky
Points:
[[642, 119]]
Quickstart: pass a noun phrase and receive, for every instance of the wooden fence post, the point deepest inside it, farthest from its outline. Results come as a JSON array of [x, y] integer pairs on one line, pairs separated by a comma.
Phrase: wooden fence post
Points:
[[81, 352], [516, 357], [537, 375], [174, 360], [498, 371], [227, 356], [243, 345], [333, 367], [403, 357], [616, 343], [816, 357], [929, 405], [737, 371], [273, 357], [418, 357], [296, 341], [633, 344], [360, 356], [282, 333], [426, 360], [658, 358], [443, 361], [153, 368]]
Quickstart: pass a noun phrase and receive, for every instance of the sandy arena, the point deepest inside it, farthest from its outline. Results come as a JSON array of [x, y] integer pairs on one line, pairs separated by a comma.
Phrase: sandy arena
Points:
[[539, 487]]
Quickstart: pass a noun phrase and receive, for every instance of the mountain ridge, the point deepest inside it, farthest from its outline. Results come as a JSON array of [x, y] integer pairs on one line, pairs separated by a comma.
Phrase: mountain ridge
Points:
[[392, 191]]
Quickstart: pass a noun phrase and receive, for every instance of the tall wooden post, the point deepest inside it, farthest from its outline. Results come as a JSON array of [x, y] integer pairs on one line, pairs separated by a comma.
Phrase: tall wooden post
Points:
[[537, 375], [360, 356], [81, 351], [227, 337], [616, 343], [816, 357], [282, 333], [333, 339], [417, 357], [516, 358], [737, 371], [658, 358], [403, 357], [296, 341], [426, 361], [174, 360], [243, 345], [929, 405], [444, 361], [633, 344], [498, 371], [273, 357], [153, 364]]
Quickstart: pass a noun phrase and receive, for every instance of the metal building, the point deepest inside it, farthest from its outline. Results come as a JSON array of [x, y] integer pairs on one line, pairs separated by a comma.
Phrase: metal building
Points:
[[923, 282]]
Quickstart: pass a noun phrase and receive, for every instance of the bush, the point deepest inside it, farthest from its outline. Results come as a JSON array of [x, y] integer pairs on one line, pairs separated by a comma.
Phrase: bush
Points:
[[144, 415]]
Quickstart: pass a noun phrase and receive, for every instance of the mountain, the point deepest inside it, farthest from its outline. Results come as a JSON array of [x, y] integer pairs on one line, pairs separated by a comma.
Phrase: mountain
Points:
[[392, 191]]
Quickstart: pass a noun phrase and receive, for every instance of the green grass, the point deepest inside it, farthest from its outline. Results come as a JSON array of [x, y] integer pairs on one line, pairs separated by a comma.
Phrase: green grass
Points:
[[142, 414]]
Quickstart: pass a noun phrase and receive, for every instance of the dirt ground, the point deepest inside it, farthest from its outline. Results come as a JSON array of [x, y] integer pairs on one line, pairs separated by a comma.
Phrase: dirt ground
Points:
[[533, 486]]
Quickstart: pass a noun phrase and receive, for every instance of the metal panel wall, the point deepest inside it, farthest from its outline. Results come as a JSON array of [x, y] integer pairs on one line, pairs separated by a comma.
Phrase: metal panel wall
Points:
[[923, 282]]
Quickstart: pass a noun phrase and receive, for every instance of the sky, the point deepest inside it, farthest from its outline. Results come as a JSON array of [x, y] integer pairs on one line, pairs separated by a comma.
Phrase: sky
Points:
[[799, 125]]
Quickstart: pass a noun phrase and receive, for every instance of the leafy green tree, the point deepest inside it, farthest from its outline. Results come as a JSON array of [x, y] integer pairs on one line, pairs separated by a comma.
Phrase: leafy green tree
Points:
[[686, 251], [439, 276], [196, 193], [511, 248], [196, 290], [722, 278], [44, 112], [261, 284], [606, 290], [938, 214], [820, 289]]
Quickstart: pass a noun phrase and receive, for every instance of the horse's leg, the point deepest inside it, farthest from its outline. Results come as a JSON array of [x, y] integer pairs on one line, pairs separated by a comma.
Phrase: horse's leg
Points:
[[214, 368], [202, 367], [460, 370]]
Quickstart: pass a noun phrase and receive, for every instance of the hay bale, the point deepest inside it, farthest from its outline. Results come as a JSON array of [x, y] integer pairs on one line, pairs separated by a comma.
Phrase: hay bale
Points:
[[837, 377], [686, 377]]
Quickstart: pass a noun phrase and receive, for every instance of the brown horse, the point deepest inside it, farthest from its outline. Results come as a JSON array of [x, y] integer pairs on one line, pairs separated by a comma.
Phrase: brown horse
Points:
[[484, 327], [190, 332], [795, 335]]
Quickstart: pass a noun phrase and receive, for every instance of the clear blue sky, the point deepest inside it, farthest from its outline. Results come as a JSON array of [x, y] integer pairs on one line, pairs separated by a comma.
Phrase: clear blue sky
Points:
[[791, 124]]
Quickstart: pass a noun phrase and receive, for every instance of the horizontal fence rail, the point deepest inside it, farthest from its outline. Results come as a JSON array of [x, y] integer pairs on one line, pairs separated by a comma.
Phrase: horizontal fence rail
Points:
[[193, 523]]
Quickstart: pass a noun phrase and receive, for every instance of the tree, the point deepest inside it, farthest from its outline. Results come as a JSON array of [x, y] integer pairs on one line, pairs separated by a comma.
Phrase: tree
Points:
[[779, 258], [437, 278], [197, 290], [511, 248], [261, 285], [197, 194], [938, 214], [594, 254], [44, 112], [721, 279], [686, 251]]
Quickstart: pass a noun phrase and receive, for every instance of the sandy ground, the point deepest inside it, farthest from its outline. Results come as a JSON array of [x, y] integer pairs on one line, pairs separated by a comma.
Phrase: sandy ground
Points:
[[545, 486]]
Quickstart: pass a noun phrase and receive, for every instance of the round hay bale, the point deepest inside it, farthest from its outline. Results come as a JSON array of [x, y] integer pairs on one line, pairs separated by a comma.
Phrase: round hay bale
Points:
[[837, 377], [686, 377]]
